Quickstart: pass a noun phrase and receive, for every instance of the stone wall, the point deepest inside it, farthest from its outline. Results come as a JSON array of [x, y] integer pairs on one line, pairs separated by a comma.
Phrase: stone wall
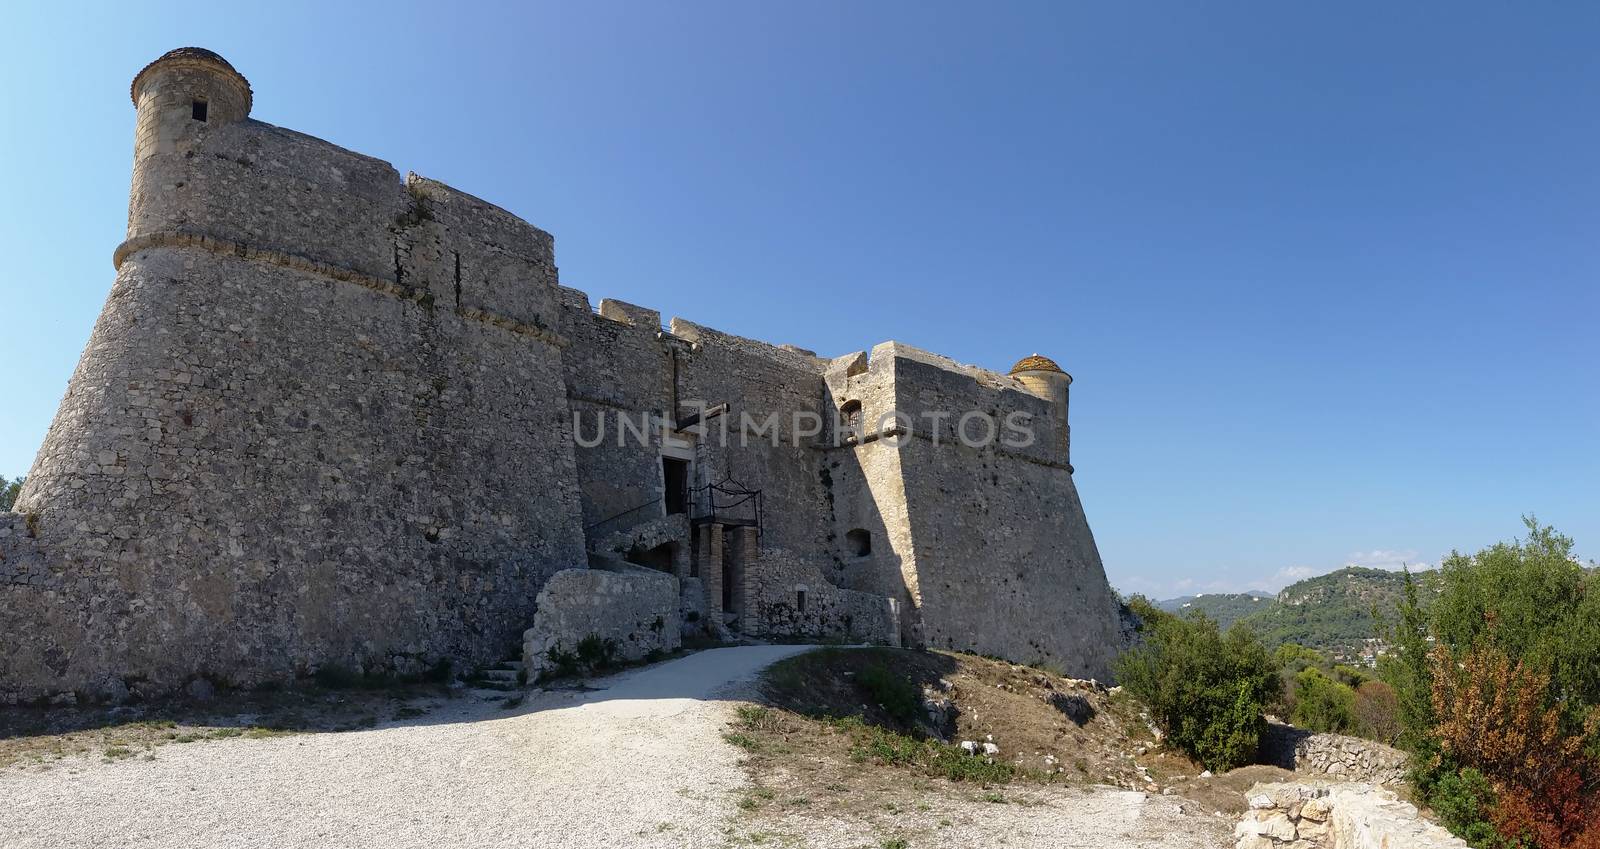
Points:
[[635, 608], [1004, 561], [616, 366], [320, 422], [21, 562], [776, 590], [1335, 816], [865, 491], [1337, 756], [759, 379], [1350, 759]]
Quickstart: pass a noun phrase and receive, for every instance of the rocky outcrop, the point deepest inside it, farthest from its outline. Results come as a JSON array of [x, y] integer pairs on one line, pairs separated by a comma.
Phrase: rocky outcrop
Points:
[[1335, 816]]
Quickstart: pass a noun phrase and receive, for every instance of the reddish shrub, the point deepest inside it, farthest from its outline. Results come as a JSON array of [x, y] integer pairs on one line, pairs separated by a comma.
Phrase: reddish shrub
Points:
[[1492, 717], [1377, 712]]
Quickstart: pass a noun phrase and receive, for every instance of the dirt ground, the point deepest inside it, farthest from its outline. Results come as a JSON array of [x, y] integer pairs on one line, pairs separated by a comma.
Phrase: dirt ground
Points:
[[1052, 729], [1067, 747]]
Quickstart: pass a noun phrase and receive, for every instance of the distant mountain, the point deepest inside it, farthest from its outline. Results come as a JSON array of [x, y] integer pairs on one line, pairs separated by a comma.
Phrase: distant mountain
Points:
[[1335, 611], [1331, 612], [1224, 608]]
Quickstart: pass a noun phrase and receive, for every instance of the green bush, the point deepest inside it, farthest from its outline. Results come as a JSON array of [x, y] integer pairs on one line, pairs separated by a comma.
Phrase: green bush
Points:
[[1463, 801], [1205, 689], [563, 663], [1350, 676], [1533, 601], [1293, 657], [880, 745], [596, 652], [896, 694], [1322, 704]]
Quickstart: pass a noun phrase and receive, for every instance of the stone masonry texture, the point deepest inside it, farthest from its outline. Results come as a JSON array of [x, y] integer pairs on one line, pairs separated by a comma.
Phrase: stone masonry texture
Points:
[[330, 417]]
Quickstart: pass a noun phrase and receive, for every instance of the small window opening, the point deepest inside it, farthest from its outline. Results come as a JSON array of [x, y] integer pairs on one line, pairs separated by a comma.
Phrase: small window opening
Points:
[[800, 600], [859, 542], [850, 416], [198, 110]]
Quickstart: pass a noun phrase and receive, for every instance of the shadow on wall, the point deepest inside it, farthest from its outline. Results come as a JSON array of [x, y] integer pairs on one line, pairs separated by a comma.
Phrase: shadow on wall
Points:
[[866, 556]]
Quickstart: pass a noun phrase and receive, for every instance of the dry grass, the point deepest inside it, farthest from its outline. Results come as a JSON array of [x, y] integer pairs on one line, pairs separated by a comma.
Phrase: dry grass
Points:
[[1049, 728], [831, 744]]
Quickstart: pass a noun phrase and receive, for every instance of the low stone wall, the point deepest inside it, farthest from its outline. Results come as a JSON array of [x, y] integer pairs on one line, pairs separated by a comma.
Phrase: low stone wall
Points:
[[634, 607], [1337, 756], [776, 591], [1350, 759], [1320, 815]]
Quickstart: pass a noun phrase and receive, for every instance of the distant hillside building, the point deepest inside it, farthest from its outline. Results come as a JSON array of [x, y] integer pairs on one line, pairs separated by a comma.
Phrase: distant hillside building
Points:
[[330, 417]]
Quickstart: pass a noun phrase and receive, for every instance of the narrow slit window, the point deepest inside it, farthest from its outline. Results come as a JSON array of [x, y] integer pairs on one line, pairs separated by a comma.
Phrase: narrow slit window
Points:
[[800, 600], [198, 110]]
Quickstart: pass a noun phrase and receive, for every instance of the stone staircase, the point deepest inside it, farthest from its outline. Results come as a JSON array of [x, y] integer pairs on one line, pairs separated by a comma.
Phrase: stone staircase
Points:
[[505, 676]]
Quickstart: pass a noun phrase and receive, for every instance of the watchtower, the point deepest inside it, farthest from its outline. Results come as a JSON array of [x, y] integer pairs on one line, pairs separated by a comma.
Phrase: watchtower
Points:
[[1045, 379], [180, 97]]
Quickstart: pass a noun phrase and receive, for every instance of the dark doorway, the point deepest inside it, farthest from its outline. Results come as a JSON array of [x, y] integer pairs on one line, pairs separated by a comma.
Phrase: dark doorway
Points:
[[676, 475], [659, 558], [727, 586], [859, 542]]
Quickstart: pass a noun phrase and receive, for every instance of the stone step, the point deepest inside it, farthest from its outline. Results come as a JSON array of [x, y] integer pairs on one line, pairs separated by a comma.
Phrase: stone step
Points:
[[501, 674]]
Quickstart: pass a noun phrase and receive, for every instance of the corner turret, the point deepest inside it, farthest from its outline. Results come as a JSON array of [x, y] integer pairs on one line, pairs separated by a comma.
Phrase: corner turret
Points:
[[1041, 376], [201, 82], [180, 97]]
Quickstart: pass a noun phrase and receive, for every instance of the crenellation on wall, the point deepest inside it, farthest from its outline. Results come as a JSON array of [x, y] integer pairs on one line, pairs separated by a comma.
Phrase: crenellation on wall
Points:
[[627, 313]]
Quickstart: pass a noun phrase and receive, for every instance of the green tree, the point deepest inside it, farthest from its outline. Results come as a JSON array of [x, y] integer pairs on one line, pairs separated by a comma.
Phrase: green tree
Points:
[[1293, 657], [1205, 688], [1497, 686], [9, 490], [1407, 670], [1533, 601], [1321, 703]]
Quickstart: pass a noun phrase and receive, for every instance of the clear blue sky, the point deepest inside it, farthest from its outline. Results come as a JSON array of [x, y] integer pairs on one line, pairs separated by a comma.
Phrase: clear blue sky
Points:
[[1325, 273]]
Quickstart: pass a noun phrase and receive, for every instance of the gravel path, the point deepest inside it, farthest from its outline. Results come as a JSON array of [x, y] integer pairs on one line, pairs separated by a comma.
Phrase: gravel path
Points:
[[639, 762]]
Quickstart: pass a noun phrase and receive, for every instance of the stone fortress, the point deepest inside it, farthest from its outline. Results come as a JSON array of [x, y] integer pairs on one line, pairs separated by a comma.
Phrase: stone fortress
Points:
[[333, 418]]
